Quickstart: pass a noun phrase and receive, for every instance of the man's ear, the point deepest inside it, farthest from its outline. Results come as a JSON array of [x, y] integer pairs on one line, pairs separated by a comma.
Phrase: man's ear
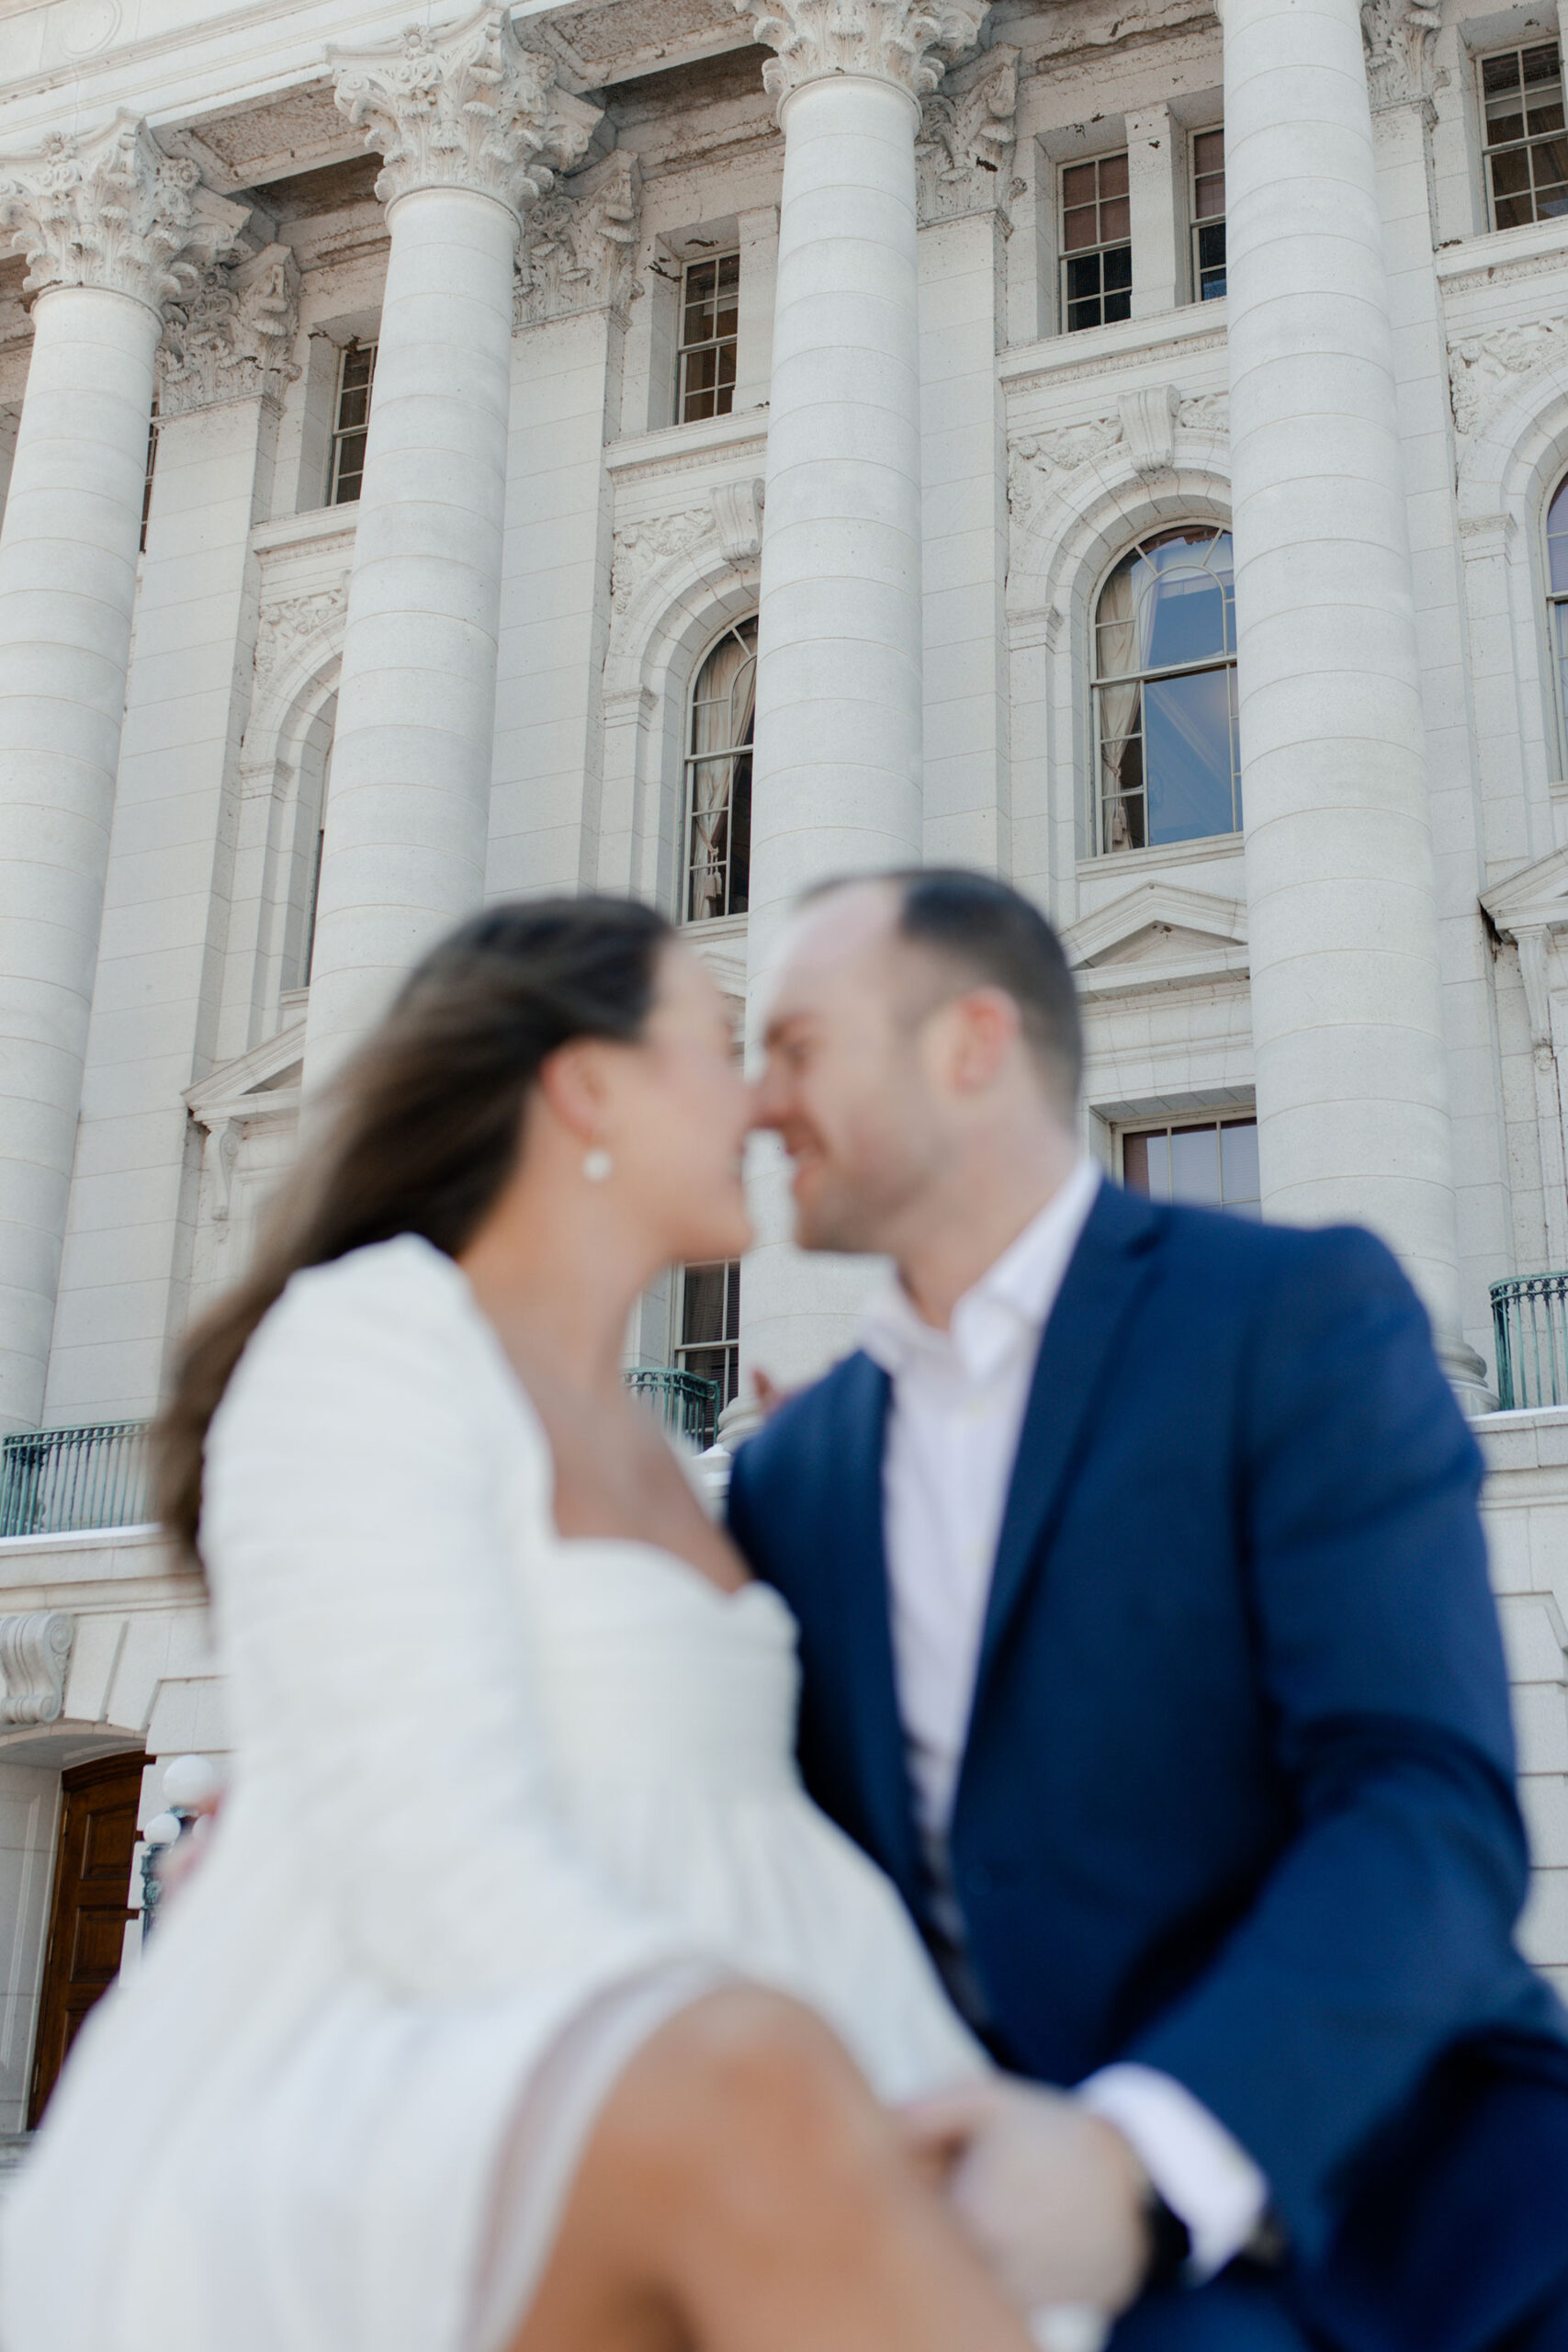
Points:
[[984, 1030]]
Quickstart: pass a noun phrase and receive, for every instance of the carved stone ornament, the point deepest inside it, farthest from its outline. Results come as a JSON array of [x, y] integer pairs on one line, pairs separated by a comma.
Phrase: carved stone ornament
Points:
[[232, 339], [1483, 367], [1147, 422], [641, 548], [912, 42], [737, 520], [287, 625], [966, 137], [467, 108], [1398, 36], [35, 1650], [112, 210], [579, 243]]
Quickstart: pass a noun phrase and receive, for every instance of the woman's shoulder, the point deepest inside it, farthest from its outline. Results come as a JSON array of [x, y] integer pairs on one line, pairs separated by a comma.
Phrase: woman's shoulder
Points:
[[394, 1314]]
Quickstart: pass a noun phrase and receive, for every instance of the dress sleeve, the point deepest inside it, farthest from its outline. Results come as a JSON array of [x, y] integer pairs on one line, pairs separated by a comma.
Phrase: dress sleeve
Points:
[[373, 1632]]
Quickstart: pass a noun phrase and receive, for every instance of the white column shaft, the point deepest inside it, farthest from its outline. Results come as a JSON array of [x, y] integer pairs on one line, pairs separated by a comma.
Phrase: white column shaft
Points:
[[407, 816], [67, 583], [837, 778], [1351, 1086], [838, 766]]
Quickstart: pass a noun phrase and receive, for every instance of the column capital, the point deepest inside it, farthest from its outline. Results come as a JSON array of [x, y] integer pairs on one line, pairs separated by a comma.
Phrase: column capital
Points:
[[579, 243], [110, 210], [230, 339], [465, 108], [1398, 36], [908, 42]]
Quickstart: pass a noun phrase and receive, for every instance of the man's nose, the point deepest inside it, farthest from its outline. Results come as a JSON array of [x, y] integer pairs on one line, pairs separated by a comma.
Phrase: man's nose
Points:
[[768, 1098]]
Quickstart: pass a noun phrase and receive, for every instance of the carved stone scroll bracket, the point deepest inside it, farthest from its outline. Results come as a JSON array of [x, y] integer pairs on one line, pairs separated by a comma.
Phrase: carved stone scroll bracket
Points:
[[112, 210], [1398, 36], [909, 42], [1148, 415], [234, 338], [467, 108], [738, 518], [968, 132], [35, 1650], [580, 242]]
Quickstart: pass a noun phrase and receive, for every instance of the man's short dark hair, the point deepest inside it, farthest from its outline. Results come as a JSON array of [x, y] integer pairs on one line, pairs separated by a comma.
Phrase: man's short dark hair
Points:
[[994, 935]]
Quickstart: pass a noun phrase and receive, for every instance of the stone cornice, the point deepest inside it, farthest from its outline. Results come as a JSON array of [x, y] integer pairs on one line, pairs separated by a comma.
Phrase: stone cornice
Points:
[[579, 243], [966, 137], [908, 42], [112, 210], [466, 108], [232, 339]]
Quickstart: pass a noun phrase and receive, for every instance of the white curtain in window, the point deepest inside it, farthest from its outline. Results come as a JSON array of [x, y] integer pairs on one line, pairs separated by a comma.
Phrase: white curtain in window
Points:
[[1117, 651], [722, 710]]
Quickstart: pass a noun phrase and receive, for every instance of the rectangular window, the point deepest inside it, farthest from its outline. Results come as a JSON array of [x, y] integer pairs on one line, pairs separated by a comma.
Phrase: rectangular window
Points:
[[1207, 214], [710, 1326], [1527, 154], [1096, 254], [351, 423], [710, 317], [1213, 1166]]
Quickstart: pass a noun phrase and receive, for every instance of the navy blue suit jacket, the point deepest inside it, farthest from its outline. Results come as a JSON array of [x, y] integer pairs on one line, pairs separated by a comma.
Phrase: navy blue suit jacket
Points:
[[1238, 1798]]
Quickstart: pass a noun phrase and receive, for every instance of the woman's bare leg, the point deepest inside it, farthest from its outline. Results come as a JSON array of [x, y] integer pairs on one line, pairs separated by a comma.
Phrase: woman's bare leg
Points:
[[743, 2192]]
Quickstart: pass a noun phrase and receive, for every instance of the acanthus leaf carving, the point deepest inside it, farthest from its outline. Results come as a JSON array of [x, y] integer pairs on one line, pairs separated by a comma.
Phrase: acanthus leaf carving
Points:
[[1146, 428], [1398, 36], [966, 137], [579, 243], [286, 624], [35, 1650], [232, 338], [469, 107], [909, 42], [1481, 366], [112, 210]]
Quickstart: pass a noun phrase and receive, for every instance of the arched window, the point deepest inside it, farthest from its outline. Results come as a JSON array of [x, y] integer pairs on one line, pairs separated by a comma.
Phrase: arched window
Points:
[[1557, 594], [718, 777], [1165, 692]]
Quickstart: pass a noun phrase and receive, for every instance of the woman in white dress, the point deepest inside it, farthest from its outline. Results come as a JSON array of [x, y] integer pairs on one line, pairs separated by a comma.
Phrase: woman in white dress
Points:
[[523, 2003]]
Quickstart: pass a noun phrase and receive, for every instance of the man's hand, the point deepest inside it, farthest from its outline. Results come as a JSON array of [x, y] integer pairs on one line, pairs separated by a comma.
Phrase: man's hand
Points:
[[1053, 2197]]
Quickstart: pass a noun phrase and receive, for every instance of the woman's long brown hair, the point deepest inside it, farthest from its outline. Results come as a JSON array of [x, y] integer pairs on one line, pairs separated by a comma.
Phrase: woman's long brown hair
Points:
[[422, 1127]]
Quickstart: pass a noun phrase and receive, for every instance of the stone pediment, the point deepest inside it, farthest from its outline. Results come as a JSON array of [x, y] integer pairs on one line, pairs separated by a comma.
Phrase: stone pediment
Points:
[[1157, 935]]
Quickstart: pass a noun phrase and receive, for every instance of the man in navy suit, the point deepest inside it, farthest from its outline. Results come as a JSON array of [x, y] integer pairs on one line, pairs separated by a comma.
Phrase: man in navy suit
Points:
[[1147, 1646]]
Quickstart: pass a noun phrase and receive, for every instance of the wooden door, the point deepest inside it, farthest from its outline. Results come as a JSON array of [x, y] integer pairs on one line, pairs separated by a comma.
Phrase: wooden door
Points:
[[86, 1925]]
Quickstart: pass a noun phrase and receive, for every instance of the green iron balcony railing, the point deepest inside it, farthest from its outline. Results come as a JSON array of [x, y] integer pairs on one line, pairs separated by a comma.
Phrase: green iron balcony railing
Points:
[[66, 1482], [1529, 1319], [61, 1482], [686, 1402]]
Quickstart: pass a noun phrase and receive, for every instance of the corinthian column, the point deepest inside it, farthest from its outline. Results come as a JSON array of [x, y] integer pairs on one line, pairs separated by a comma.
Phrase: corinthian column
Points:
[[472, 129], [837, 774], [112, 228], [1347, 1015]]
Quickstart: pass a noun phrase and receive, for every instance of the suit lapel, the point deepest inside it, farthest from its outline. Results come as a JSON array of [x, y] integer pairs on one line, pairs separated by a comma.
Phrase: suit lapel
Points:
[[863, 1631], [1113, 1262]]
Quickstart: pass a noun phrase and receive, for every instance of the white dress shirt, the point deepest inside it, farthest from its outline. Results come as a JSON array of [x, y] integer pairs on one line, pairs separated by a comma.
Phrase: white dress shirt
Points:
[[953, 1432]]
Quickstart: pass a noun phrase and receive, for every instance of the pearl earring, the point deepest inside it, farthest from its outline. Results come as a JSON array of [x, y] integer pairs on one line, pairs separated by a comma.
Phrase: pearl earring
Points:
[[597, 1164]]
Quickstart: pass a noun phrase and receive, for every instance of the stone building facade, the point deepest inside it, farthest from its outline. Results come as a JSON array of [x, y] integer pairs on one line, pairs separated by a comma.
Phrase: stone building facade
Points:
[[687, 446]]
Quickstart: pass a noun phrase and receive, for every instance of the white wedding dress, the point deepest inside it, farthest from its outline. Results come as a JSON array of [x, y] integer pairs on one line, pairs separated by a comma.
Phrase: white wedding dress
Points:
[[500, 1802]]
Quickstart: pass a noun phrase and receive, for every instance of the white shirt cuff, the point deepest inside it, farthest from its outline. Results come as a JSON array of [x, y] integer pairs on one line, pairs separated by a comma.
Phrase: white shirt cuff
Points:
[[1207, 2178]]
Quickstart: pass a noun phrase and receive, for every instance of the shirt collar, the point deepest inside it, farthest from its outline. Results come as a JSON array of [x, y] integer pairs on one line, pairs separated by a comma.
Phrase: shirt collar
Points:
[[1008, 1307]]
